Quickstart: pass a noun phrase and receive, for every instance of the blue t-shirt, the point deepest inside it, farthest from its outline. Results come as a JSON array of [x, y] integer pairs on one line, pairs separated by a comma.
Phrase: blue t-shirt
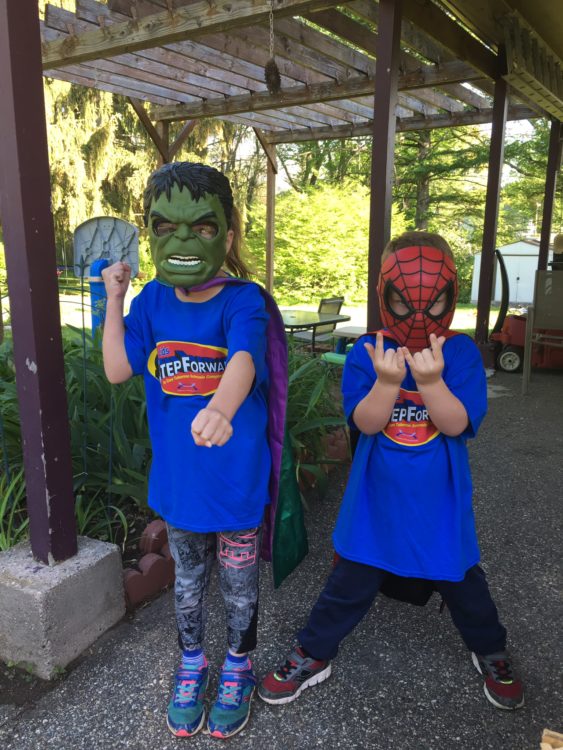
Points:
[[407, 507], [182, 349]]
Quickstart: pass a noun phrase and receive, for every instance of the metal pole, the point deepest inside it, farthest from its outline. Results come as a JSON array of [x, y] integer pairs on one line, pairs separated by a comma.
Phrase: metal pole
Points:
[[25, 205], [553, 164], [383, 145]]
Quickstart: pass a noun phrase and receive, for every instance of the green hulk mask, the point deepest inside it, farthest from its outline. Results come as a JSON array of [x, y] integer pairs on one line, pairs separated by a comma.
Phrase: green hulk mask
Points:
[[186, 209]]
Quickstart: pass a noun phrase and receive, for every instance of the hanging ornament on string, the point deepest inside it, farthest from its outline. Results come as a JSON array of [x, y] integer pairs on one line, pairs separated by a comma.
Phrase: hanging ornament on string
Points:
[[271, 70]]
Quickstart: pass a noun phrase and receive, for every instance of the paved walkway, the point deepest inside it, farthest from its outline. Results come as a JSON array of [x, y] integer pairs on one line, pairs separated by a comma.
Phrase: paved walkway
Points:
[[403, 679]]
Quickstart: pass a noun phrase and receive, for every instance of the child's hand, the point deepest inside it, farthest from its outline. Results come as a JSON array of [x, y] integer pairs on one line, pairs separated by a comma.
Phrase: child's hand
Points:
[[389, 365], [427, 365], [211, 427], [116, 278]]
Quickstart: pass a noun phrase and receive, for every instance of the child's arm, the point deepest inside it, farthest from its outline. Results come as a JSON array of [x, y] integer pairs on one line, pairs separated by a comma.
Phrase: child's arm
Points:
[[372, 413], [446, 411], [116, 364], [212, 425]]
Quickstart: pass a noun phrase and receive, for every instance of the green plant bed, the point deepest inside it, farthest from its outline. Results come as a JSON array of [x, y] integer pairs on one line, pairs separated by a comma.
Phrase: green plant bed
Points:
[[110, 444], [314, 408]]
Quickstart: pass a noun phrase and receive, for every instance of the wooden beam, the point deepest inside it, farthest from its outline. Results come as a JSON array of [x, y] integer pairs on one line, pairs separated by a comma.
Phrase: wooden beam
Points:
[[161, 67], [246, 52], [482, 18], [269, 150], [181, 138], [421, 43], [152, 132], [434, 22], [217, 55], [143, 67], [164, 28], [77, 74], [425, 76], [403, 125], [290, 38], [323, 47]]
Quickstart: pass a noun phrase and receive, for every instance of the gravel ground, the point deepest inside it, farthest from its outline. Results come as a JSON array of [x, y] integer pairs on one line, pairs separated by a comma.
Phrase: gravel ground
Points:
[[403, 679]]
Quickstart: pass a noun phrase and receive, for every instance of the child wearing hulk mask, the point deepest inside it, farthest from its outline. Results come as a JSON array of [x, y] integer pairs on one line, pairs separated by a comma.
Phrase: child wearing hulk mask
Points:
[[199, 337]]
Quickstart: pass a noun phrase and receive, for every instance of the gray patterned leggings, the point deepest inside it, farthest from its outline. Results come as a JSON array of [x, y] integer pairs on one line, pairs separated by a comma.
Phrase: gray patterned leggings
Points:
[[238, 554]]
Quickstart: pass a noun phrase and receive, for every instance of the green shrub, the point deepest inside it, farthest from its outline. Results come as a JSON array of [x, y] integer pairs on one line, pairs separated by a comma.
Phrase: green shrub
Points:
[[109, 440], [314, 406], [110, 444]]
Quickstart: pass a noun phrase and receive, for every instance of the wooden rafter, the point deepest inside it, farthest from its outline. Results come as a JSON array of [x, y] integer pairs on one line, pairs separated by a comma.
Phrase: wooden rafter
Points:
[[215, 56], [268, 149], [434, 22], [153, 133], [403, 125], [417, 41], [180, 59], [181, 138], [423, 77], [159, 29], [294, 39]]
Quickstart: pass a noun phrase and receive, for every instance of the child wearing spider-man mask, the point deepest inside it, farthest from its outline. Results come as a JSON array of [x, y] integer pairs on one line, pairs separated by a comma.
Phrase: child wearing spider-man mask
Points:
[[416, 392]]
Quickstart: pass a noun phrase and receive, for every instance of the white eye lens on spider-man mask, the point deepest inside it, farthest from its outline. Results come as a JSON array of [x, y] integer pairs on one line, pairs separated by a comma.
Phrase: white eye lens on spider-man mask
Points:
[[412, 283]]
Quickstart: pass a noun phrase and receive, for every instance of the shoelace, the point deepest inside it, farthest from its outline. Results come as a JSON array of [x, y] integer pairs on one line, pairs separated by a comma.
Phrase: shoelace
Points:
[[186, 688], [286, 669], [502, 671], [229, 693]]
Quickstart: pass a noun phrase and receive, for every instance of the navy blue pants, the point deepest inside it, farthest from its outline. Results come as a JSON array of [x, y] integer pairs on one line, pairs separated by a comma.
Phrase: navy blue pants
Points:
[[352, 588]]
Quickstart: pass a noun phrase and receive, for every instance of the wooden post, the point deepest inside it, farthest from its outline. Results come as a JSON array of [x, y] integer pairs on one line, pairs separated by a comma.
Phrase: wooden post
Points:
[[553, 164], [163, 129], [496, 157], [270, 224], [383, 145], [25, 205], [272, 166]]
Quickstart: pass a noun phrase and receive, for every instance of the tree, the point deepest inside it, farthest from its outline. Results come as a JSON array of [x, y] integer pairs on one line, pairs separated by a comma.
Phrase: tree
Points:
[[322, 238]]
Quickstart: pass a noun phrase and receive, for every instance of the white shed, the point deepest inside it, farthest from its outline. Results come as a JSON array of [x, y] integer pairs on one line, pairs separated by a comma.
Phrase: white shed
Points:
[[521, 261]]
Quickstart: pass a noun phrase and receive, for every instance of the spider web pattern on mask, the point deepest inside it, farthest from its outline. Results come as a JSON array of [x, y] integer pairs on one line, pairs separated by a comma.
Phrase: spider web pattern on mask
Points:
[[420, 274]]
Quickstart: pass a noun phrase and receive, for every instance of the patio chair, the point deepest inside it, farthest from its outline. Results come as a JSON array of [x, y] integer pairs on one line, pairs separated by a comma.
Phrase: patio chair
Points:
[[322, 334], [545, 318]]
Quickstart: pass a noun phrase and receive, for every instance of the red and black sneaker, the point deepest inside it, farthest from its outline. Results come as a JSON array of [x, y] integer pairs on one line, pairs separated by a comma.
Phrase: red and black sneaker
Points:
[[502, 688], [298, 672]]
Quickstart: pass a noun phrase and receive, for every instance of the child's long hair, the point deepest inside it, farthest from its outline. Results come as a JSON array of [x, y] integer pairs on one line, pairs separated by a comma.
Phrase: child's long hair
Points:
[[234, 261], [200, 179]]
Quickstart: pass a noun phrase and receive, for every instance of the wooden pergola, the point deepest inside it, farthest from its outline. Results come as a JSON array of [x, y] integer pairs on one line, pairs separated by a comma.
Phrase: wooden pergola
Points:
[[347, 69]]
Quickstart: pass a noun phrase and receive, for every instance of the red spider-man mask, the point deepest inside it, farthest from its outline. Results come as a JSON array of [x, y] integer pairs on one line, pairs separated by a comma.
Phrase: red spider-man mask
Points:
[[412, 283]]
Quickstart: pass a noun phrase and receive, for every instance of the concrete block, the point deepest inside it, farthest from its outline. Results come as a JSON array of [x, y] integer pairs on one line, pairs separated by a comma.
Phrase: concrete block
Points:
[[50, 615]]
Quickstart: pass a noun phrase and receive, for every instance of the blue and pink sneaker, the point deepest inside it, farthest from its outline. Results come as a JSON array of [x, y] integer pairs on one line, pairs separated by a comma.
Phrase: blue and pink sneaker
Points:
[[186, 712], [231, 710]]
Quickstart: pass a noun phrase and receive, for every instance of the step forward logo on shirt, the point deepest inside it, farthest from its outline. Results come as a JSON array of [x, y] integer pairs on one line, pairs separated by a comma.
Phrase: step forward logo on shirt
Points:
[[410, 422], [185, 368]]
